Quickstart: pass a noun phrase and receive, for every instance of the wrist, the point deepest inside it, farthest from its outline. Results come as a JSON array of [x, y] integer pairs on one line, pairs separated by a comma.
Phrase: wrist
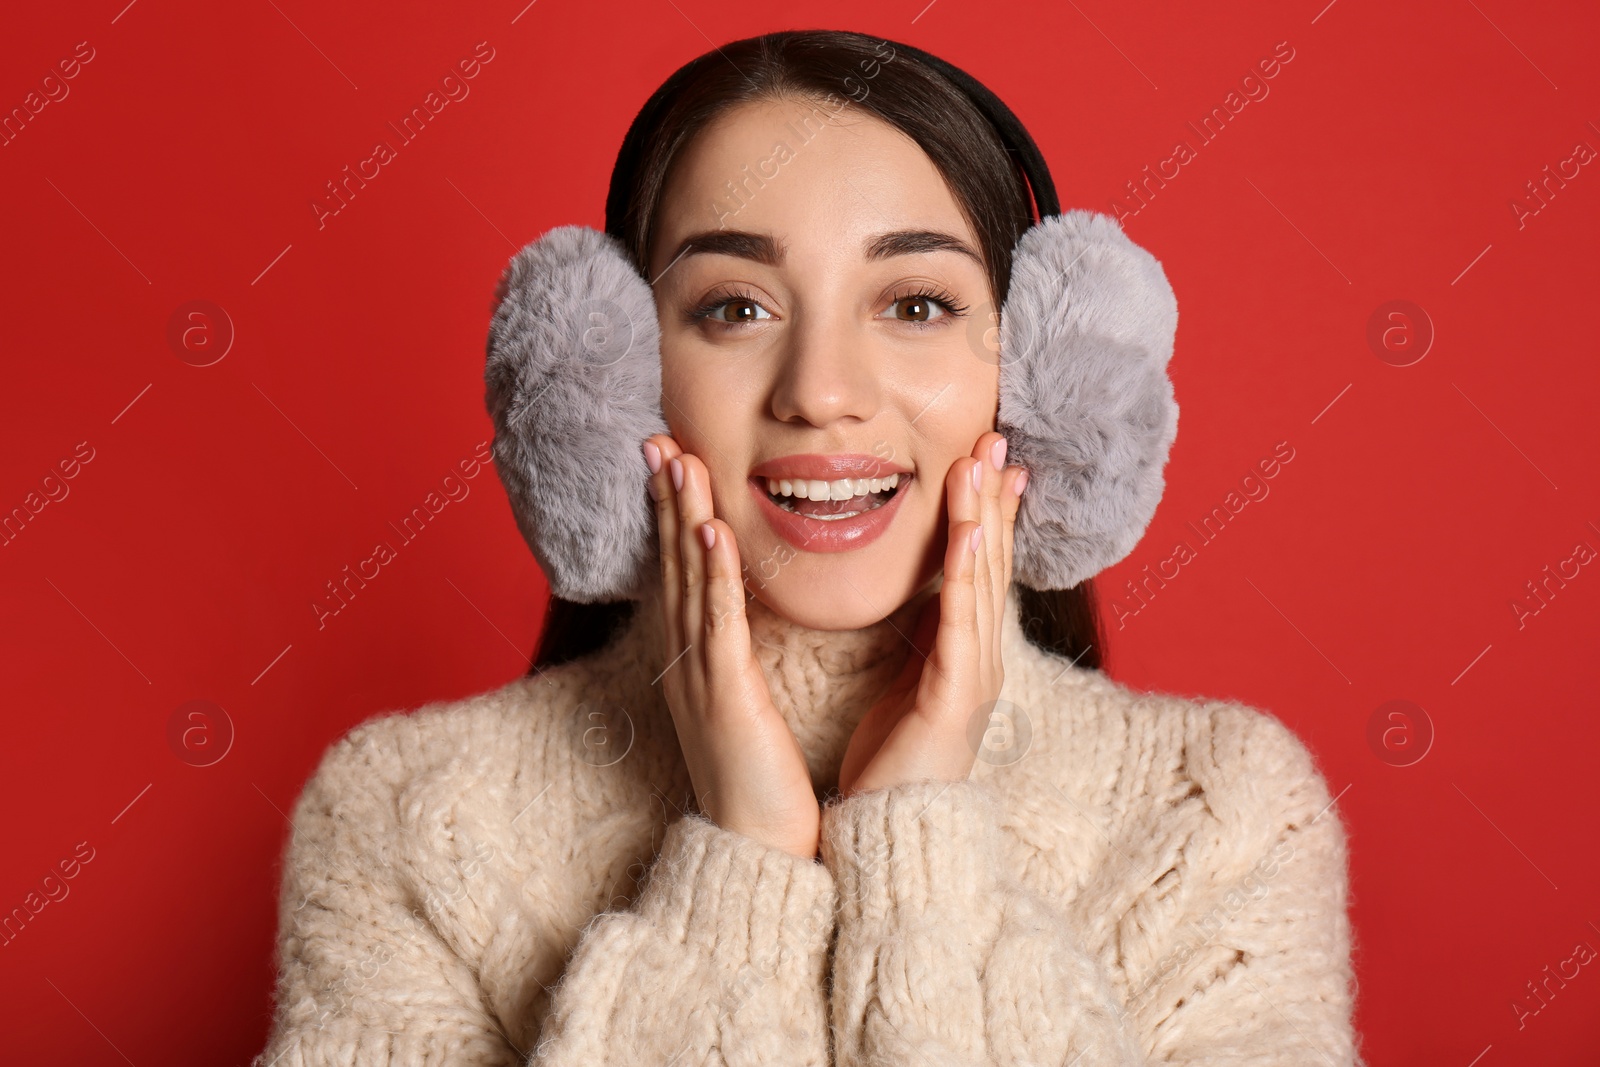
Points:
[[803, 845]]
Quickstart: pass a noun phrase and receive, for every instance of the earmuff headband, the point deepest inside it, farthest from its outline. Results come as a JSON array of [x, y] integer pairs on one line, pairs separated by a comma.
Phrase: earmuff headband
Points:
[[573, 383]]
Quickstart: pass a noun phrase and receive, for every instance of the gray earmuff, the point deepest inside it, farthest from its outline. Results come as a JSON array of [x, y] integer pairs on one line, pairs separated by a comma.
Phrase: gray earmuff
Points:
[[573, 383], [1085, 401]]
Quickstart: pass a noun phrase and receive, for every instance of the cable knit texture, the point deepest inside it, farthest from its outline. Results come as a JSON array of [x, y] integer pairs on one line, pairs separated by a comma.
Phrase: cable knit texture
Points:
[[521, 878]]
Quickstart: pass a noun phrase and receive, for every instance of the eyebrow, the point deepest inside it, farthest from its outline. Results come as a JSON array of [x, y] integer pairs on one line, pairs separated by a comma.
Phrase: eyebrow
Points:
[[762, 248]]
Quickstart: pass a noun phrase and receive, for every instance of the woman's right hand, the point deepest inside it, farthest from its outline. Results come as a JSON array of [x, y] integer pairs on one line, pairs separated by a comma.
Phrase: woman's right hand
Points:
[[747, 768]]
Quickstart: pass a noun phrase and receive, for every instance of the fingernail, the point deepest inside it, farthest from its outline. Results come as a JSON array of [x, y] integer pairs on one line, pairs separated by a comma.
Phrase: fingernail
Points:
[[976, 536], [652, 457], [708, 534], [998, 454], [1021, 483], [677, 473], [977, 477]]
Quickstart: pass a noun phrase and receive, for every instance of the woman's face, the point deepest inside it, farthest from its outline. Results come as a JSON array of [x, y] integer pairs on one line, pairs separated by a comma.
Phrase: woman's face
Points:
[[816, 355]]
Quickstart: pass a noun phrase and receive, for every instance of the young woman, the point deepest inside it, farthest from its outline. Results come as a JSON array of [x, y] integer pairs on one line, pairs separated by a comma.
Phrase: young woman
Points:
[[821, 795]]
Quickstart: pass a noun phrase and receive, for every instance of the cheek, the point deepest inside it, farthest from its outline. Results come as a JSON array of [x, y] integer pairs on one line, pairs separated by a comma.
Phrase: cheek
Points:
[[979, 381], [677, 387], [711, 418], [701, 377], [688, 404], [966, 409]]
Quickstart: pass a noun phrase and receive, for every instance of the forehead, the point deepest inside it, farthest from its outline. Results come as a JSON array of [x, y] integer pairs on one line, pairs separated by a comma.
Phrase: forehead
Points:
[[822, 181]]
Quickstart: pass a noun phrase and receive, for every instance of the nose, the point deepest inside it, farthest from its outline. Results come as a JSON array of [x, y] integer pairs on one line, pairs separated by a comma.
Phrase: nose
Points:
[[826, 372]]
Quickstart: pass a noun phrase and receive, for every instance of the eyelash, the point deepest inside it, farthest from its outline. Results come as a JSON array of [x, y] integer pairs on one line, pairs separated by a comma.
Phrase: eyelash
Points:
[[942, 297]]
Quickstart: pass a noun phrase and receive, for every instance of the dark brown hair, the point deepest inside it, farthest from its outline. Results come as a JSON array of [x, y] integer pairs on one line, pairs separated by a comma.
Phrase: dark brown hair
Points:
[[893, 85]]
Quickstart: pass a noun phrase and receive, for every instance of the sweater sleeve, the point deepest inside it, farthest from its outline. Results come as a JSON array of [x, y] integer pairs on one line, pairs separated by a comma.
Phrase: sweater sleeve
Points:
[[722, 954], [940, 960], [943, 960], [722, 960]]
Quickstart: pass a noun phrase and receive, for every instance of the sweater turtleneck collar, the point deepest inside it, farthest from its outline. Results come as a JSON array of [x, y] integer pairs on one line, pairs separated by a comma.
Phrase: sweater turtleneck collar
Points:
[[823, 681]]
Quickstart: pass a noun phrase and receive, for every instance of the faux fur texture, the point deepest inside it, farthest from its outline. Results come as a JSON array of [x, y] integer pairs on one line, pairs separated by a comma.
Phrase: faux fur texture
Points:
[[573, 382], [1085, 402], [574, 386]]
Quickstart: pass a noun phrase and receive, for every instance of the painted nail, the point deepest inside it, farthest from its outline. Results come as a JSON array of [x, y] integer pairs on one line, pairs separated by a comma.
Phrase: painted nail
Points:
[[677, 473], [998, 454], [652, 457], [708, 535], [1021, 483], [977, 477], [977, 535]]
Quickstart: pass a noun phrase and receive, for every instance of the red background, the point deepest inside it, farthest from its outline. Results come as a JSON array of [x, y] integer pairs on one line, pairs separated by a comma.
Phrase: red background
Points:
[[219, 500]]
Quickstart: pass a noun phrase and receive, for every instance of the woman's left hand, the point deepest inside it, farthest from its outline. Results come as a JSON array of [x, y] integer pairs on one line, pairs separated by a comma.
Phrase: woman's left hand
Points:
[[918, 730]]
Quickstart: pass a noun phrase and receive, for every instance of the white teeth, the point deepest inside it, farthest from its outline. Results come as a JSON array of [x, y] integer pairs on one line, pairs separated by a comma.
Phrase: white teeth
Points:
[[839, 489]]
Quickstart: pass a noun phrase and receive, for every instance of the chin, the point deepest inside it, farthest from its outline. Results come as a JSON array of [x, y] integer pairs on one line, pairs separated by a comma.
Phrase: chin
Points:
[[842, 590]]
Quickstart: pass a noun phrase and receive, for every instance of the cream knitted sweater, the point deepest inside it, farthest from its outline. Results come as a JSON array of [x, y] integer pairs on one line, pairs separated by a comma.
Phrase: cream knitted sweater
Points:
[[519, 878]]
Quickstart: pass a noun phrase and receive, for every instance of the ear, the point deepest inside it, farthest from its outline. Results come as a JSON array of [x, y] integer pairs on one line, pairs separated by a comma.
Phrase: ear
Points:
[[573, 384], [1085, 400]]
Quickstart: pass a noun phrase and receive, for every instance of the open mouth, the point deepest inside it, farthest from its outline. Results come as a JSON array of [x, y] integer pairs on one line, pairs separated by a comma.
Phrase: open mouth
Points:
[[832, 501]]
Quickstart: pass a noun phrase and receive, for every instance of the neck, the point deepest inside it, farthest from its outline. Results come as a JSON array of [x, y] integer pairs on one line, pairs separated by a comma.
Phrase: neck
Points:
[[821, 681]]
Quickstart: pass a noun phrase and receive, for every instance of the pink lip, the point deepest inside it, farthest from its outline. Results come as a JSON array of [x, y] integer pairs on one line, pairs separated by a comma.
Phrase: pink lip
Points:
[[827, 535], [809, 465]]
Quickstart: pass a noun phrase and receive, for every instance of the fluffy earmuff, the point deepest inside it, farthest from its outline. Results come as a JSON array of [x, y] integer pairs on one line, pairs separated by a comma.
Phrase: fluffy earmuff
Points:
[[1086, 405], [573, 383]]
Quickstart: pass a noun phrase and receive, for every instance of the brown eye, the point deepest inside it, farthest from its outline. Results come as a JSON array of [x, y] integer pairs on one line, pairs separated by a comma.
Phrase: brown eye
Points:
[[725, 309], [924, 309], [743, 311], [918, 309]]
